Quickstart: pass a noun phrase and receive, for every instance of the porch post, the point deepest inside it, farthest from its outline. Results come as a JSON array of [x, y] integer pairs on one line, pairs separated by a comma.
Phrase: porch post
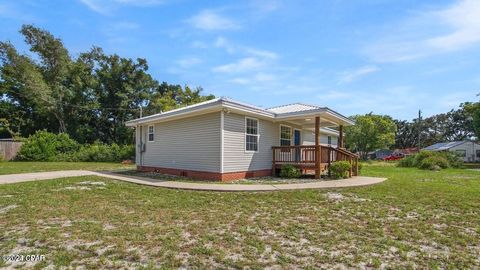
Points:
[[317, 147], [340, 137]]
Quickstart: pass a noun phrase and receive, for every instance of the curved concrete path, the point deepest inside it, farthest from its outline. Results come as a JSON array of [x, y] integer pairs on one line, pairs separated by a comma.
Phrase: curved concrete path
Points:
[[351, 182]]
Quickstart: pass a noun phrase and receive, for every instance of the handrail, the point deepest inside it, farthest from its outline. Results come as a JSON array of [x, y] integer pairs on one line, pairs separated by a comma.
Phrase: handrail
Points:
[[317, 157]]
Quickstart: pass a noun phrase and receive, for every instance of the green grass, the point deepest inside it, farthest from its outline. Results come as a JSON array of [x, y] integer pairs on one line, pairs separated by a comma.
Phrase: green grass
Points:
[[415, 219], [27, 167]]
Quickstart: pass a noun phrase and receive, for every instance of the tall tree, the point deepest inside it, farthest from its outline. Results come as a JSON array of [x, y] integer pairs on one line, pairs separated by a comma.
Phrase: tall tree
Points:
[[120, 87], [90, 97], [370, 132]]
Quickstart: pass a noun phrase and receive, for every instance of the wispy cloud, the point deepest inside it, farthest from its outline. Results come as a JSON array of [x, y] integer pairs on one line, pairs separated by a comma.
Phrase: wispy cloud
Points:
[[118, 32], [352, 75], [188, 62], [210, 20], [106, 7], [247, 64], [459, 26]]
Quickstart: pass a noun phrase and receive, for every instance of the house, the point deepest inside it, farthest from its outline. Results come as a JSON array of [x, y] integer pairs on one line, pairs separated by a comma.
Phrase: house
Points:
[[223, 139], [405, 151], [469, 151], [380, 154]]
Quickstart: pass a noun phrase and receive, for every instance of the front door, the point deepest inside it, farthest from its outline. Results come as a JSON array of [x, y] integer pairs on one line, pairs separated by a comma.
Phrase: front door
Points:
[[297, 141]]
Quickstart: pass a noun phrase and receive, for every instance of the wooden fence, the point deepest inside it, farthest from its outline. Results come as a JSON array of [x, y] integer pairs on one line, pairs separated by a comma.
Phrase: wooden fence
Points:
[[9, 149]]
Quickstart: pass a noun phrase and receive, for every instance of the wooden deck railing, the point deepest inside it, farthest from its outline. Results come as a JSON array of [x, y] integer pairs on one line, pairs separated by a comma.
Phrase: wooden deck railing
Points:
[[305, 157]]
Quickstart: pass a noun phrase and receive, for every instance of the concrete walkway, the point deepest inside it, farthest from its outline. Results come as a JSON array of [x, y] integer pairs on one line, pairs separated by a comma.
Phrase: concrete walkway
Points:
[[351, 182]]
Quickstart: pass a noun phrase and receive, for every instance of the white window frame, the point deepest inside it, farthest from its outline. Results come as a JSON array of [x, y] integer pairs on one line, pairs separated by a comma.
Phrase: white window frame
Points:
[[257, 135], [280, 135], [153, 133], [329, 140]]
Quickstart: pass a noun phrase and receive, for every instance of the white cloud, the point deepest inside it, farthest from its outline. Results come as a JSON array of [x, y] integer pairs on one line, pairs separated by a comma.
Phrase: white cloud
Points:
[[223, 43], [210, 20], [459, 25], [188, 62], [105, 7], [357, 73], [247, 64]]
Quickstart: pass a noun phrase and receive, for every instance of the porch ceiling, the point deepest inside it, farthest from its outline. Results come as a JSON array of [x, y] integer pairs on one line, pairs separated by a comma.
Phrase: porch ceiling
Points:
[[308, 120]]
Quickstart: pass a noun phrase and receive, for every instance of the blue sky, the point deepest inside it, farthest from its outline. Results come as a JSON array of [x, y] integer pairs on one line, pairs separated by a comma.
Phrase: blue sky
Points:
[[389, 57]]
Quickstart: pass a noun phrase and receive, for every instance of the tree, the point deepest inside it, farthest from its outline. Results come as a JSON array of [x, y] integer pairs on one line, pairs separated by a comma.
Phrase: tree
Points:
[[370, 132], [89, 97], [473, 108], [406, 134]]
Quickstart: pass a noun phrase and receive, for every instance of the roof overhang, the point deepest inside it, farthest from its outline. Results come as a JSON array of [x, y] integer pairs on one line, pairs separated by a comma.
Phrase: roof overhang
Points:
[[328, 117]]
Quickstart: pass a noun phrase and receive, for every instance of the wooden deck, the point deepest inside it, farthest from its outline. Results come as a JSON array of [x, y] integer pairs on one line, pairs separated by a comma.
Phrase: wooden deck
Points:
[[316, 158]]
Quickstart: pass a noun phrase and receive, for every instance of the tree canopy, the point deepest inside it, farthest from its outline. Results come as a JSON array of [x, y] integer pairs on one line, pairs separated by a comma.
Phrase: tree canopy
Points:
[[90, 97], [370, 132]]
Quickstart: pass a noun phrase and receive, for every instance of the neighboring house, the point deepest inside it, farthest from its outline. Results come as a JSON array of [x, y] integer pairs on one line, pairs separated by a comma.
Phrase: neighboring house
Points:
[[405, 151], [380, 154], [223, 139], [469, 151]]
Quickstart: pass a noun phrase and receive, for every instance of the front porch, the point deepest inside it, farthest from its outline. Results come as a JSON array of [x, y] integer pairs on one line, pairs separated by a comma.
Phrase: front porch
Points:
[[311, 158], [318, 157]]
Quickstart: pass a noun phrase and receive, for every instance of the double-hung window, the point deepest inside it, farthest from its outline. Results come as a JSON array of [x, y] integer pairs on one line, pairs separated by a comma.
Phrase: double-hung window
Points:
[[285, 136], [329, 140], [151, 133], [251, 134]]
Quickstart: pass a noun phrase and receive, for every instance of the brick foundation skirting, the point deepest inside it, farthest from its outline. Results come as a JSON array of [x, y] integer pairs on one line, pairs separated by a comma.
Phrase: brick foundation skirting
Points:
[[201, 175]]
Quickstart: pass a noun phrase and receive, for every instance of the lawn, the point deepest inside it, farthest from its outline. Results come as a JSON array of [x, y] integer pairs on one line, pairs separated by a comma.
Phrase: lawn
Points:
[[26, 167], [416, 219]]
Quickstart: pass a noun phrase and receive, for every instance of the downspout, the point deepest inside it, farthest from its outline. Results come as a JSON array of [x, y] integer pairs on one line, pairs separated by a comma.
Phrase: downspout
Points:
[[141, 145], [222, 120]]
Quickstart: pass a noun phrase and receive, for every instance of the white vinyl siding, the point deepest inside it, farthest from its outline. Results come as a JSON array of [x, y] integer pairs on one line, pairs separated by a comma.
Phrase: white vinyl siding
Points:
[[470, 149], [235, 158], [190, 144], [308, 138]]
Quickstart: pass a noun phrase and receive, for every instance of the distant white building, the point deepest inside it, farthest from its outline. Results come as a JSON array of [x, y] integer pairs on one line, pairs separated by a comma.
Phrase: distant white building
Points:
[[468, 150]]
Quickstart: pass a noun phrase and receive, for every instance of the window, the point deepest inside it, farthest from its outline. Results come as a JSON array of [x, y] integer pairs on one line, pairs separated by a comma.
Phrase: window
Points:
[[478, 153], [329, 138], [285, 136], [461, 153], [151, 133], [251, 134]]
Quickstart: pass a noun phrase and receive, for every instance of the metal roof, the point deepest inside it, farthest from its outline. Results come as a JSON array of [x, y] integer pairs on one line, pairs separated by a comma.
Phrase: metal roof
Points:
[[294, 107], [443, 145], [279, 112]]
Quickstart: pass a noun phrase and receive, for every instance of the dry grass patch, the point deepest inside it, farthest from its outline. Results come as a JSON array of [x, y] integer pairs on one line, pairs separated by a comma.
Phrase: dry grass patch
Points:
[[401, 223]]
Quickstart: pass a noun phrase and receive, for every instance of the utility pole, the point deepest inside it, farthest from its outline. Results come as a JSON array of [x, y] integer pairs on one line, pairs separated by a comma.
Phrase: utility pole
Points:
[[419, 129], [141, 111]]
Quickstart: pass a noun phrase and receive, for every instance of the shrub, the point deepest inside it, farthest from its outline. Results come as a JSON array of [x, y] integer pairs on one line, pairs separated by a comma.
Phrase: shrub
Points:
[[453, 159], [46, 146], [434, 162], [101, 152], [289, 171], [340, 169], [408, 161]]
